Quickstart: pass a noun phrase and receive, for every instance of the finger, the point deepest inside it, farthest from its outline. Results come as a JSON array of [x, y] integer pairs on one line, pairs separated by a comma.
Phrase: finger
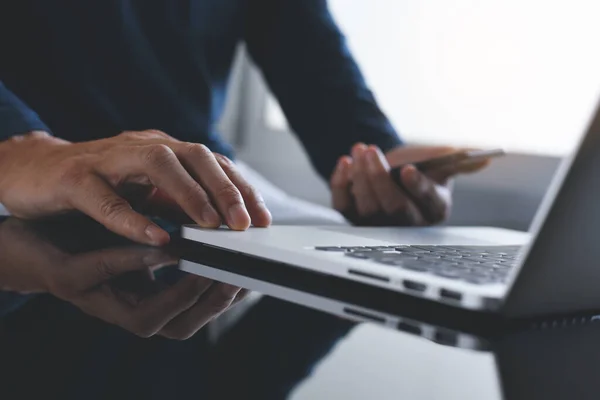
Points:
[[151, 315], [364, 197], [218, 299], [162, 205], [94, 197], [391, 198], [240, 296], [430, 198], [86, 271], [340, 186], [147, 135], [259, 214], [93, 268], [203, 166], [162, 167]]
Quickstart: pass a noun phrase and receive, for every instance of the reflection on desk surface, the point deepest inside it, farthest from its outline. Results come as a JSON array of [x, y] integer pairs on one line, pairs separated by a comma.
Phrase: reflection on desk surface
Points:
[[87, 315]]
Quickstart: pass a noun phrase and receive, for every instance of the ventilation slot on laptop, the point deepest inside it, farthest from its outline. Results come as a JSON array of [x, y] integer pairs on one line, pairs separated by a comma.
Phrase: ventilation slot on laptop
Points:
[[369, 316], [369, 275]]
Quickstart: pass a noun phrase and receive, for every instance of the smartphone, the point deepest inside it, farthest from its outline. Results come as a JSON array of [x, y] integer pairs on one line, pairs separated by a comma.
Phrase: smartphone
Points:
[[448, 159]]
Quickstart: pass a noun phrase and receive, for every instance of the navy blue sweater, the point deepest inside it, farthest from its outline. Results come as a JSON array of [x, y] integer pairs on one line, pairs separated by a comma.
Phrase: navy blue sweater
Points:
[[84, 70]]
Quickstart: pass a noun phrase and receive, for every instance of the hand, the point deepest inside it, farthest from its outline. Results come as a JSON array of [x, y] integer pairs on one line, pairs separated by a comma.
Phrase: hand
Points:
[[116, 285], [41, 175], [364, 192]]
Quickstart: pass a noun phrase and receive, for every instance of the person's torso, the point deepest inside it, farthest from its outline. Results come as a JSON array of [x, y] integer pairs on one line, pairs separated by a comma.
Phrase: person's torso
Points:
[[93, 69]]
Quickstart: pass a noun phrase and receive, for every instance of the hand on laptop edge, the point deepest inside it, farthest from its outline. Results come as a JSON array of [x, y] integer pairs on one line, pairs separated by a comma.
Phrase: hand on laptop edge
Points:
[[42, 175], [365, 193]]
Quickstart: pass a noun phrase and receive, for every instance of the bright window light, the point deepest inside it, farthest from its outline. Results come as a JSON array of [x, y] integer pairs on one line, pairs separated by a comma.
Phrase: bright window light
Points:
[[519, 74]]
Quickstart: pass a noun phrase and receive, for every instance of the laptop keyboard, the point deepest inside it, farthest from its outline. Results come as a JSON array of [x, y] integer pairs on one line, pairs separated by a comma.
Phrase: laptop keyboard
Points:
[[474, 264]]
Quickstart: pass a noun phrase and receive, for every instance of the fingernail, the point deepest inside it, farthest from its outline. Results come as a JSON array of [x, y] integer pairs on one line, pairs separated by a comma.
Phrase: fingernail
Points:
[[358, 149], [238, 217], [413, 178], [156, 235], [210, 216]]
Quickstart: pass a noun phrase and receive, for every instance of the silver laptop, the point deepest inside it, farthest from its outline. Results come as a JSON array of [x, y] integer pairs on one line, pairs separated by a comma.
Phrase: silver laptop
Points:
[[334, 304], [552, 270]]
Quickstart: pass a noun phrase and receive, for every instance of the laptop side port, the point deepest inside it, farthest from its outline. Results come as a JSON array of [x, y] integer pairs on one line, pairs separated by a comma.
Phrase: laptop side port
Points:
[[369, 275], [412, 285], [452, 295], [446, 337], [409, 327]]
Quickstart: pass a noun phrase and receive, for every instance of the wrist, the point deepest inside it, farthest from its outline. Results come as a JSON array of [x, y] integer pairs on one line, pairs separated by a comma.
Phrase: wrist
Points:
[[21, 146]]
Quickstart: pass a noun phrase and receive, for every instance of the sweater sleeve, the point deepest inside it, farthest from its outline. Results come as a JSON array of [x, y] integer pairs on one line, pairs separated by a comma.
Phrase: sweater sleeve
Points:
[[307, 64], [15, 116]]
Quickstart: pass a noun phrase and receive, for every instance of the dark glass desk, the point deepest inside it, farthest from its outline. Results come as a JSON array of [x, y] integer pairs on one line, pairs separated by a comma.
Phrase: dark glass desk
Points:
[[87, 315]]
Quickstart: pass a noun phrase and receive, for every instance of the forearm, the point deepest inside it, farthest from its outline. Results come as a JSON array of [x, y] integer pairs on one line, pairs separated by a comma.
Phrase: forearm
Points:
[[13, 148]]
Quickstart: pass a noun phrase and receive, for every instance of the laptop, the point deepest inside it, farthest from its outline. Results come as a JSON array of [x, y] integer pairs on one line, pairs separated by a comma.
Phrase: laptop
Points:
[[435, 322], [555, 269], [336, 301]]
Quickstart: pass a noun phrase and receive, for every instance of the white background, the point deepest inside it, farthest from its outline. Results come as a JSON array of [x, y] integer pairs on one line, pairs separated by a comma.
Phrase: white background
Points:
[[519, 74]]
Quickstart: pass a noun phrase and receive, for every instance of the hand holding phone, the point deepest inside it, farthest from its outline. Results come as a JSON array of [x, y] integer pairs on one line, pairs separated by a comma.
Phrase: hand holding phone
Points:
[[448, 160], [367, 192]]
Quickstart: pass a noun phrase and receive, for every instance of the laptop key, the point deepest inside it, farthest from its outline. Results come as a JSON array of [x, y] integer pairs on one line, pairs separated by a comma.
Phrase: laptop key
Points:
[[415, 266], [360, 255], [448, 273], [330, 248], [411, 250], [381, 248], [394, 262]]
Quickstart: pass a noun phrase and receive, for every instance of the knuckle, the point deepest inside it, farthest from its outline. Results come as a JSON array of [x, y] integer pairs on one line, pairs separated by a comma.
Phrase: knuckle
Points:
[[195, 193], [104, 269], [160, 155], [155, 132], [112, 207], [197, 150], [250, 192], [127, 134], [218, 305], [221, 299], [225, 161], [229, 193]]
